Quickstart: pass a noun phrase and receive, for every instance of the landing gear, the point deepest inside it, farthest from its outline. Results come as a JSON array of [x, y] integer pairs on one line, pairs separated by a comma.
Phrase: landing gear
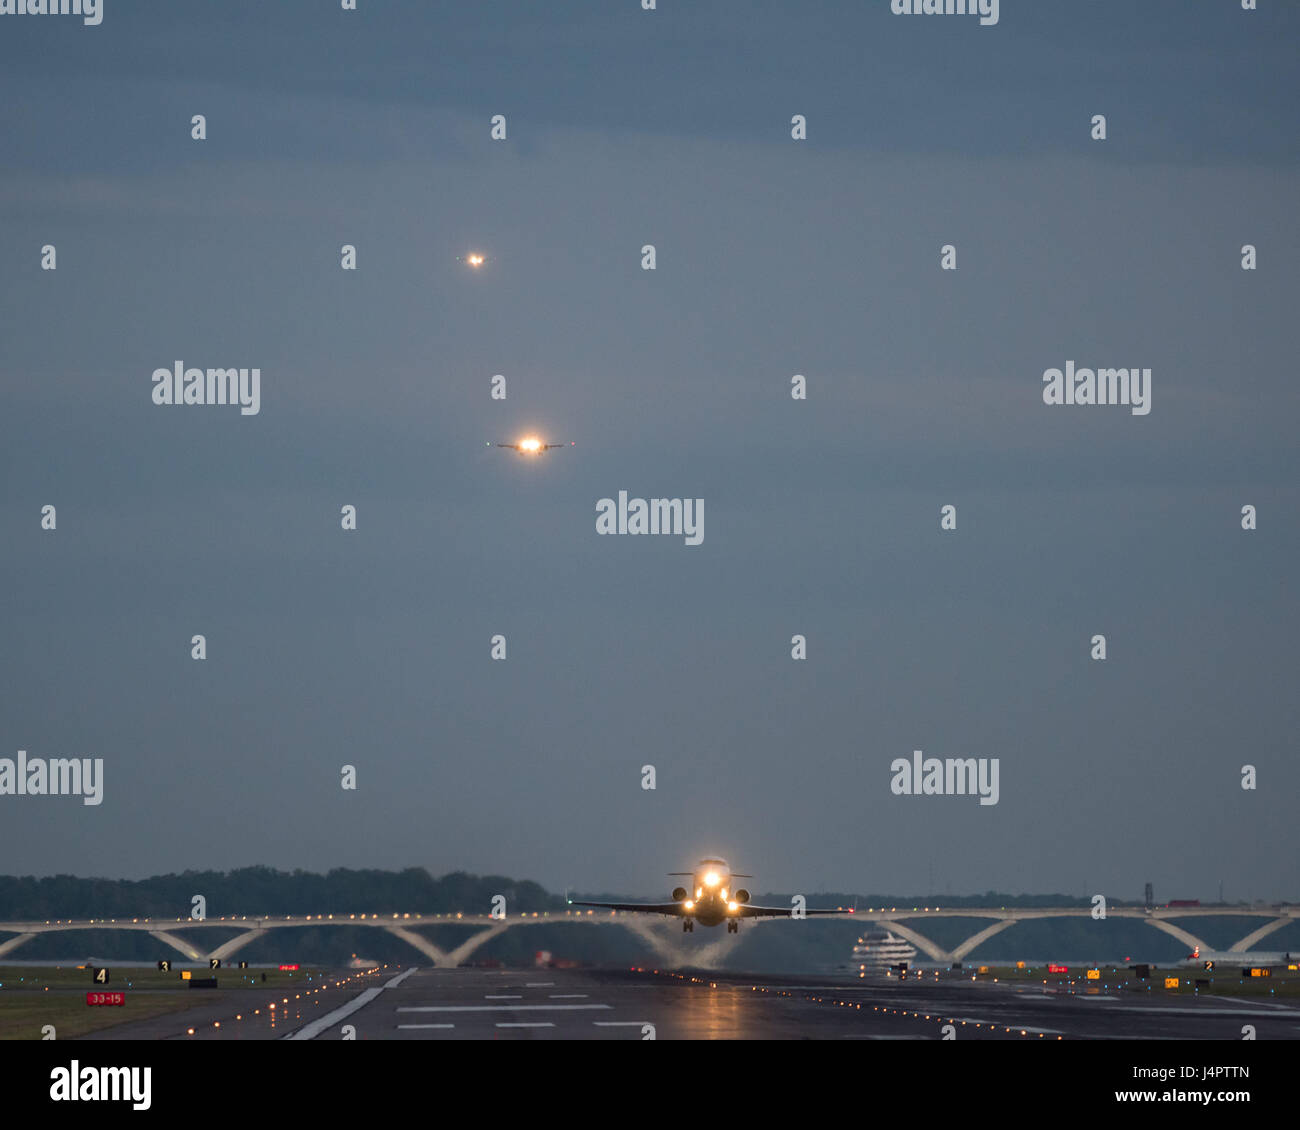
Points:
[[688, 926], [733, 927]]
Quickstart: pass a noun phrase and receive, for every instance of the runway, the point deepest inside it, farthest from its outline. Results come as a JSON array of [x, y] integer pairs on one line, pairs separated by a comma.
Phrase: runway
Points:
[[544, 1004]]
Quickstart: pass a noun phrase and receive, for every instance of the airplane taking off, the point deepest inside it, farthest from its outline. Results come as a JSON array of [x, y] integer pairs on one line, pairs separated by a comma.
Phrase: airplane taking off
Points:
[[531, 445], [714, 901]]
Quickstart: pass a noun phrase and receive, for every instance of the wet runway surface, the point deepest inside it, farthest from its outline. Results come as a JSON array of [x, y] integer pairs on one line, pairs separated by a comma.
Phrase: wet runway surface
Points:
[[532, 1004]]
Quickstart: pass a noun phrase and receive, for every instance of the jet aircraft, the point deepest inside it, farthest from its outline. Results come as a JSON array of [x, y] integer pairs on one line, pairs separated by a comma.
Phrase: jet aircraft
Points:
[[531, 445], [711, 900]]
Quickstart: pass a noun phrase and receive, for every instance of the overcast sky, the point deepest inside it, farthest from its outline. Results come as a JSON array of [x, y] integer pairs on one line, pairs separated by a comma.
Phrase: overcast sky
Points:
[[821, 517]]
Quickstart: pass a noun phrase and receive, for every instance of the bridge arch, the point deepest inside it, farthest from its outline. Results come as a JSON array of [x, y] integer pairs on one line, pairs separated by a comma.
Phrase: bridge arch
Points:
[[14, 942], [1254, 936], [1176, 932], [650, 930], [237, 943], [178, 944], [924, 944], [984, 935]]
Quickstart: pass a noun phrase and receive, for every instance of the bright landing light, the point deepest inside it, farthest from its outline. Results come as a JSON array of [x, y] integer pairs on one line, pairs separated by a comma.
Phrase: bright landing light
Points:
[[711, 879], [530, 444], [474, 259]]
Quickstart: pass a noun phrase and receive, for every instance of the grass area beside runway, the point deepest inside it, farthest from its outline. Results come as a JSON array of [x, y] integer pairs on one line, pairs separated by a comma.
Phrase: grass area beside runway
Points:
[[32, 997], [122, 978], [26, 1016]]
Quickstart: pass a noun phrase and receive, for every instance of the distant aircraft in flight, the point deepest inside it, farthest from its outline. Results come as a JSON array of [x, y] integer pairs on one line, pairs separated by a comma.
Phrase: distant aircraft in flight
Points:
[[531, 445], [711, 901]]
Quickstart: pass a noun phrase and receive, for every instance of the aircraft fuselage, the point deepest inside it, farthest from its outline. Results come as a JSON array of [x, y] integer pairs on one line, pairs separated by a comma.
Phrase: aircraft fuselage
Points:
[[711, 899], [710, 911]]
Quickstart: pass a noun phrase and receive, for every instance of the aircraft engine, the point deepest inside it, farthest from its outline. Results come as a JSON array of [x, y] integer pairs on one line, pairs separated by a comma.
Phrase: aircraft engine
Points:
[[679, 893], [741, 896]]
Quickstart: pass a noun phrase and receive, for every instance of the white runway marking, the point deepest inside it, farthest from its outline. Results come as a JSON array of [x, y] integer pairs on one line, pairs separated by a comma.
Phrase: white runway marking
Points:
[[891, 1038], [316, 1027], [1127, 1036], [499, 1007], [567, 996], [539, 984], [503, 996], [1213, 1012], [426, 1026], [1237, 1000], [541, 1024], [620, 1023]]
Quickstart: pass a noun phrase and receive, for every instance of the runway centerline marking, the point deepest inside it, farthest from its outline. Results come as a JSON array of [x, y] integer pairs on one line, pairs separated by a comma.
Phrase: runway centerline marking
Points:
[[567, 996], [503, 996], [536, 1024], [426, 1026]]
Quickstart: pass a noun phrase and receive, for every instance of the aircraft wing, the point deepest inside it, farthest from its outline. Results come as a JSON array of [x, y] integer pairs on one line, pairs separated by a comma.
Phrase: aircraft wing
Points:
[[678, 911], [649, 907]]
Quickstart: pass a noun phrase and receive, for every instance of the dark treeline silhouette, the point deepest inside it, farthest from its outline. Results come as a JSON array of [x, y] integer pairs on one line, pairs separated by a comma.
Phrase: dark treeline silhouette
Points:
[[266, 891], [987, 899]]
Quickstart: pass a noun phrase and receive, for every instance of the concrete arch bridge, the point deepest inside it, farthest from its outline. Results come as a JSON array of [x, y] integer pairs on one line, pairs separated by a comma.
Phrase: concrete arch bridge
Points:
[[661, 933]]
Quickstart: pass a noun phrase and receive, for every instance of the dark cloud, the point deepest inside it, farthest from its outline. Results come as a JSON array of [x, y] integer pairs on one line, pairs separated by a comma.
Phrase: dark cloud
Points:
[[821, 517]]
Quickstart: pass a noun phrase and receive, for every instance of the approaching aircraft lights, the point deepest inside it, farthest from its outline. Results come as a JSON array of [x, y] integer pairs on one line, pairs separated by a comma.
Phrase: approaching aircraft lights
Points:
[[713, 901], [531, 445]]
